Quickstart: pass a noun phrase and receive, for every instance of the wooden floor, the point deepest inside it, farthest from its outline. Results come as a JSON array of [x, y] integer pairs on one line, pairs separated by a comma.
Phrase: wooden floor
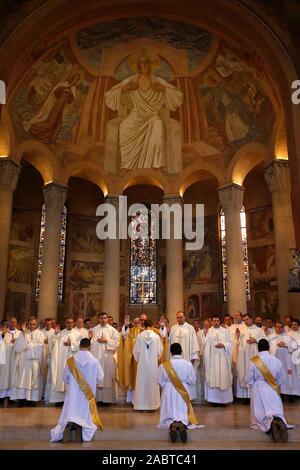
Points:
[[225, 428]]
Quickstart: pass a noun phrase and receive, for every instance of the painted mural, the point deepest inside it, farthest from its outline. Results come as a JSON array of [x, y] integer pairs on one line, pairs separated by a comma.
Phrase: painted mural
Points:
[[83, 236], [262, 262], [48, 105], [141, 91]]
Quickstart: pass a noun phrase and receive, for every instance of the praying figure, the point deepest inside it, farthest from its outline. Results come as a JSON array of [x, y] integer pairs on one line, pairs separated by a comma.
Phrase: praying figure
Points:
[[144, 101]]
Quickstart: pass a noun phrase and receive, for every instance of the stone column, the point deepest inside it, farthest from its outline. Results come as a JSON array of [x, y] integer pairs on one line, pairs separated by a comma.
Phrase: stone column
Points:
[[231, 200], [111, 275], [55, 196], [174, 281], [278, 179], [9, 174]]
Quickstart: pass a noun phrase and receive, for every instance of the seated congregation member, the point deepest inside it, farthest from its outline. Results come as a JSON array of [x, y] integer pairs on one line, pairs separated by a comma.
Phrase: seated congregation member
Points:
[[147, 351], [176, 377], [81, 375], [265, 376]]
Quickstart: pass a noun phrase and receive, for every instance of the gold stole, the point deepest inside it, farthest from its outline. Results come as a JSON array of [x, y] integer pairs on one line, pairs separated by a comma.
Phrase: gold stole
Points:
[[259, 363], [86, 389], [181, 390]]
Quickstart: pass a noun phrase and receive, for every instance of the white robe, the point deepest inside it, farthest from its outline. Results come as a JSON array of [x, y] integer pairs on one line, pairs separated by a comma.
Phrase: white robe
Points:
[[147, 351], [218, 373], [172, 406], [185, 335], [8, 369], [265, 403], [199, 371], [76, 406], [285, 357], [2, 350], [106, 353], [60, 354], [296, 367], [82, 333], [245, 353], [46, 363], [238, 390], [28, 376]]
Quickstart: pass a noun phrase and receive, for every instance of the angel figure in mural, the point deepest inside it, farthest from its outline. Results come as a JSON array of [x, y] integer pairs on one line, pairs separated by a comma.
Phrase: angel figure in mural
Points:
[[145, 130], [46, 124]]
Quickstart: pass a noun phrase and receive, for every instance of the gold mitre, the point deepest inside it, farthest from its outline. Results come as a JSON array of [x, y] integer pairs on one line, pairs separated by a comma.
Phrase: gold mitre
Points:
[[153, 58]]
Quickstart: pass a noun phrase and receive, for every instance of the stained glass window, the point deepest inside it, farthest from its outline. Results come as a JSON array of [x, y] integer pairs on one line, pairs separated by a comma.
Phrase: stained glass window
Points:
[[143, 272], [224, 255], [62, 253]]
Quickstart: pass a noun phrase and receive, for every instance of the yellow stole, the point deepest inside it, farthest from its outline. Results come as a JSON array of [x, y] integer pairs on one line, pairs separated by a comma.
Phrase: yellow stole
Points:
[[181, 390], [259, 363], [86, 389]]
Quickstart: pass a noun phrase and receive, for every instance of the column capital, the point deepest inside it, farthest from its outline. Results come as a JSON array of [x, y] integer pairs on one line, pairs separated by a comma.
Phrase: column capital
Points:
[[113, 199], [9, 173], [277, 176], [231, 197], [55, 196], [171, 199]]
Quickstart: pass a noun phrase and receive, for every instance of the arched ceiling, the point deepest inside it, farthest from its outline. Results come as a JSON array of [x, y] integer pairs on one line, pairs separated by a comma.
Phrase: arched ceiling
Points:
[[233, 72]]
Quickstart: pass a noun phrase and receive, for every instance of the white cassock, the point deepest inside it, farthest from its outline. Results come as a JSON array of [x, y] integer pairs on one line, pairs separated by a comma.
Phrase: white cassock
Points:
[[147, 351], [28, 375], [199, 370], [124, 331], [106, 355], [285, 357], [46, 362], [2, 351], [245, 353], [59, 356], [237, 387], [185, 335], [296, 367], [172, 405], [76, 406], [82, 333], [218, 373], [265, 403], [8, 369]]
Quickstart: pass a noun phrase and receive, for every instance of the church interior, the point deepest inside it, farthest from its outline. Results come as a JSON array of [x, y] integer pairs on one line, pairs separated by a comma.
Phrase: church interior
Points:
[[81, 79]]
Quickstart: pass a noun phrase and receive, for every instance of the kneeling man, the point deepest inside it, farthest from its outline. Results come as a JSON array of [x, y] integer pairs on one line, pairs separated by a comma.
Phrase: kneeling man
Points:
[[81, 375], [265, 376]]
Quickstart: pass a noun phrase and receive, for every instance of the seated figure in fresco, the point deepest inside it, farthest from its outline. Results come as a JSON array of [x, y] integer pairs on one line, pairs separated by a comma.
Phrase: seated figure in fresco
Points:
[[46, 124], [144, 134]]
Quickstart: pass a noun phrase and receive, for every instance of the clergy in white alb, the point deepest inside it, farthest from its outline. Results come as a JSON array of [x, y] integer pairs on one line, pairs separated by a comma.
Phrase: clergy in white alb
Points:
[[235, 330], [185, 335], [49, 334], [2, 348], [198, 366], [172, 406], [105, 342], [29, 346], [147, 351], [265, 376], [295, 334], [76, 408], [8, 368], [282, 345], [218, 374], [247, 348], [82, 332], [65, 345]]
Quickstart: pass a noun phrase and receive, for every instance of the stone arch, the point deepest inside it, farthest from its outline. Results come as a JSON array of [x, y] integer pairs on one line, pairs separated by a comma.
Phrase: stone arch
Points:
[[144, 179], [197, 173], [89, 171], [245, 159], [41, 158]]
